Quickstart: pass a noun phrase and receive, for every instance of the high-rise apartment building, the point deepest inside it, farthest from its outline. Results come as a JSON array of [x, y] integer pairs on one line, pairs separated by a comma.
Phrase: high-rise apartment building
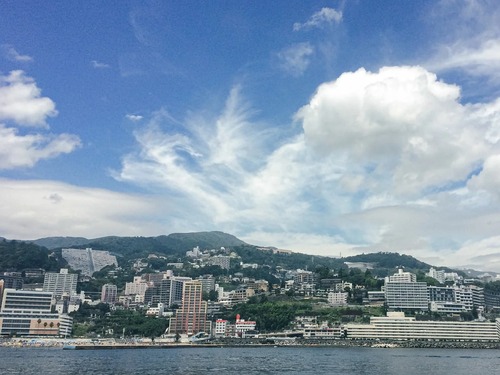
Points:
[[60, 283], [170, 290], [208, 282], [191, 318], [109, 293], [402, 291]]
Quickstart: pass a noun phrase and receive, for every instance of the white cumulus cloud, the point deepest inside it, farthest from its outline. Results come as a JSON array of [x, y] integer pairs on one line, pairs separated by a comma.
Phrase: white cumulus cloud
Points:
[[401, 127], [19, 151], [21, 104], [21, 100]]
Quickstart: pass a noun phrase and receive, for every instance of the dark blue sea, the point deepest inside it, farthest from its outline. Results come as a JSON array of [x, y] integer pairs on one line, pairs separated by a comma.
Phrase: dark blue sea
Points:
[[269, 360]]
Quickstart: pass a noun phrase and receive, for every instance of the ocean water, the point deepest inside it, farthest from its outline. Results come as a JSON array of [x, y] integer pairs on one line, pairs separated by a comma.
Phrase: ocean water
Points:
[[268, 360]]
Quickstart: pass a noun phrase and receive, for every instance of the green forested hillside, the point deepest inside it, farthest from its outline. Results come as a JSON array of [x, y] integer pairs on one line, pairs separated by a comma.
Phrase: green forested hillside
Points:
[[389, 260], [17, 256], [175, 244]]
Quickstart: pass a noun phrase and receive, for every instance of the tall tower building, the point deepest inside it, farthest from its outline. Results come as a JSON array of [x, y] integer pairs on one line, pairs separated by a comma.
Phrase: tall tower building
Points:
[[109, 293], [60, 283], [191, 318], [171, 290], [402, 291]]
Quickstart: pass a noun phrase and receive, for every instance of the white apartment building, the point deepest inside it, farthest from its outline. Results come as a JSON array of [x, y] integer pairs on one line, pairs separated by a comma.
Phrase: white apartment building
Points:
[[62, 283], [220, 328], [402, 277], [438, 275], [337, 298], [138, 286], [402, 291], [242, 326], [220, 260], [322, 332], [395, 326]]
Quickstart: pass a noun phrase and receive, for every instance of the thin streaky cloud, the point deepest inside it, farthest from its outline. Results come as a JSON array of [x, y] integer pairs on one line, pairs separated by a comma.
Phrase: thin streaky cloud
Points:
[[296, 59], [134, 118], [14, 55], [323, 17], [99, 65]]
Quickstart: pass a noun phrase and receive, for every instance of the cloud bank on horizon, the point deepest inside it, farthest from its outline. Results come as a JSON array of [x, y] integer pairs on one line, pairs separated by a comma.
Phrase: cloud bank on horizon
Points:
[[294, 130]]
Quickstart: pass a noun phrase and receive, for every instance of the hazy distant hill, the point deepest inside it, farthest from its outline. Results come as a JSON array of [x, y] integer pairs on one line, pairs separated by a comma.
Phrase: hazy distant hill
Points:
[[384, 263], [176, 244], [173, 244], [57, 242], [389, 260]]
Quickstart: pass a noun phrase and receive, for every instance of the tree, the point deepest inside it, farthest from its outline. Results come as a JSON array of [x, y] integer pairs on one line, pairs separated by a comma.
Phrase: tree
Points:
[[213, 295]]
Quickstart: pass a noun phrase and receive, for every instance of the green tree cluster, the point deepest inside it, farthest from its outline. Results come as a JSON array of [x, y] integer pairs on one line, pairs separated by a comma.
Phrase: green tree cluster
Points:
[[18, 255]]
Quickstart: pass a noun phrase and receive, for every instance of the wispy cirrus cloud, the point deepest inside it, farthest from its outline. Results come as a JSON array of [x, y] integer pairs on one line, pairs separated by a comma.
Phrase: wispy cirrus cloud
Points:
[[467, 37], [296, 58], [99, 65], [372, 150], [13, 55], [326, 16]]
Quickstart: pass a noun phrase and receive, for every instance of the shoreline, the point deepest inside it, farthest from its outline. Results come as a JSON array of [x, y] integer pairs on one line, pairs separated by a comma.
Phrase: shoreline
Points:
[[87, 344]]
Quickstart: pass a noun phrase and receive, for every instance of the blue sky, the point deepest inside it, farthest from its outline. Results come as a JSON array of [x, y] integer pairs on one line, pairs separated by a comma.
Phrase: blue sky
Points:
[[325, 127]]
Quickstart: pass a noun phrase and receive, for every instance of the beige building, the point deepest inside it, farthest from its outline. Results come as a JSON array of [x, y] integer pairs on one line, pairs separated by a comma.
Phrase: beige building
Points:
[[191, 318]]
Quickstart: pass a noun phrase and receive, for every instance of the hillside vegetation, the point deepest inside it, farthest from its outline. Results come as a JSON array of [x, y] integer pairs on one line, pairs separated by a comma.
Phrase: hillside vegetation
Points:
[[175, 245], [17, 256]]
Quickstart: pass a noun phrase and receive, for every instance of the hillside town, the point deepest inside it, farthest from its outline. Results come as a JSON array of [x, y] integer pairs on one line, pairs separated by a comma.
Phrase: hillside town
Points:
[[225, 302]]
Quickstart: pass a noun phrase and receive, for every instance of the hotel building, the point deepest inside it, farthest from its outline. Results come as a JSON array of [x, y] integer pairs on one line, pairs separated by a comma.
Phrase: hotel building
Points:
[[402, 291], [395, 326], [29, 313]]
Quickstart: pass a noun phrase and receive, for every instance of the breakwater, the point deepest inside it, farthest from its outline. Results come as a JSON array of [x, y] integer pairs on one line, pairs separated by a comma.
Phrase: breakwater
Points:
[[238, 342]]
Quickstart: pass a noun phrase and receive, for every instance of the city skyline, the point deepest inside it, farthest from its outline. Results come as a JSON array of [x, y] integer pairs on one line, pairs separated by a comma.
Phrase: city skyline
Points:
[[323, 127]]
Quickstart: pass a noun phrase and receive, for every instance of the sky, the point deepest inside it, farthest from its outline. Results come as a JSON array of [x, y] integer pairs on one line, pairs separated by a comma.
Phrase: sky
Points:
[[324, 127]]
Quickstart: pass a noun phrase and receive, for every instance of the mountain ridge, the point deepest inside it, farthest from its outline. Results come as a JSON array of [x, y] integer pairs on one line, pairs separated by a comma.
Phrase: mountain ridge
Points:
[[176, 244]]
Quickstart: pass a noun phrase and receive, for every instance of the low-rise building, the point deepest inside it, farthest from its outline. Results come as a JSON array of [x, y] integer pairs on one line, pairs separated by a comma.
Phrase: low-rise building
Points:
[[396, 326], [337, 298], [243, 326]]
